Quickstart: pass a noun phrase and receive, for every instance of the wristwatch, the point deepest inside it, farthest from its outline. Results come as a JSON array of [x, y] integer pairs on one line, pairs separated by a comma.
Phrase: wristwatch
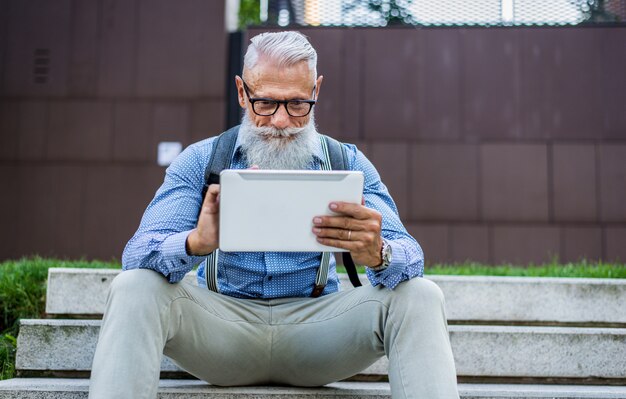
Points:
[[385, 254]]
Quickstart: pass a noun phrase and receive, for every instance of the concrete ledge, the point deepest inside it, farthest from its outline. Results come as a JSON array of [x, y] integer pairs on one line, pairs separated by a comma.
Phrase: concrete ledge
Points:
[[479, 351], [36, 388], [475, 298], [82, 291]]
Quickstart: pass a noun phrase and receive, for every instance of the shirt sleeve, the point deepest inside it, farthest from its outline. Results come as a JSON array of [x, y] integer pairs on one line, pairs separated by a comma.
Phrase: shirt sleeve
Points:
[[160, 242], [407, 256]]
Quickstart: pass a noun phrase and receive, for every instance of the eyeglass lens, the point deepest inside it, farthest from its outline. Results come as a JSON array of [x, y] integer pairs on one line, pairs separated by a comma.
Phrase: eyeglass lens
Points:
[[294, 108]]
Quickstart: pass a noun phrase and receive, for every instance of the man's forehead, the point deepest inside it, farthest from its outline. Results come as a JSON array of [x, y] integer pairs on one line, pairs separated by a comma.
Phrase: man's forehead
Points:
[[266, 73]]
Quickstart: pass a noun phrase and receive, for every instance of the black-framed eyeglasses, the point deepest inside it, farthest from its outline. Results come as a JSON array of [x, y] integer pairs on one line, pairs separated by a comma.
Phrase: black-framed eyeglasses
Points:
[[269, 106]]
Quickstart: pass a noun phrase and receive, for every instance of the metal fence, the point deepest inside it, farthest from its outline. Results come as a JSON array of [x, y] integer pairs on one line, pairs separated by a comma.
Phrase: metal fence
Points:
[[442, 12]]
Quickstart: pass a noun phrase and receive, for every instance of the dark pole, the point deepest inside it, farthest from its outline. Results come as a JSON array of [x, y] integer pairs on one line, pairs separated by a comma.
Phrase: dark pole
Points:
[[235, 65]]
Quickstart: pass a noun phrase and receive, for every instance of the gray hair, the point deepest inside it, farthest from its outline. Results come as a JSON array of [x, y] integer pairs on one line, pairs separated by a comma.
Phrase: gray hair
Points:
[[285, 48]]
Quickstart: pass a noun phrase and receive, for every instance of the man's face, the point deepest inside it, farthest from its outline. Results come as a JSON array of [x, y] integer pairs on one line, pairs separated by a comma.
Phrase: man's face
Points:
[[266, 80]]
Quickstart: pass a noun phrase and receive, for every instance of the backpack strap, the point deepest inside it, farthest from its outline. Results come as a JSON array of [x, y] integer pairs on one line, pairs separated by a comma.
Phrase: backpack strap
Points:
[[336, 153], [221, 156]]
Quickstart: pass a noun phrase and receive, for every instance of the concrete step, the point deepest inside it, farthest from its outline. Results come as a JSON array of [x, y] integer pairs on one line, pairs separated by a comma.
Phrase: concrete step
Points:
[[48, 346], [478, 299], [35, 388]]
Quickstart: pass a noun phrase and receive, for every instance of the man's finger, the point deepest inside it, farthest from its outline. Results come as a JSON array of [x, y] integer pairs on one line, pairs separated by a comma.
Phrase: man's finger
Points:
[[211, 200], [213, 190], [340, 222], [357, 211], [333, 242], [341, 234]]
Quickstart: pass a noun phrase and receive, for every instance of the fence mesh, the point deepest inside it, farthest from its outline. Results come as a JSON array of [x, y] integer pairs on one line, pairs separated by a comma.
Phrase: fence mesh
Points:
[[442, 12]]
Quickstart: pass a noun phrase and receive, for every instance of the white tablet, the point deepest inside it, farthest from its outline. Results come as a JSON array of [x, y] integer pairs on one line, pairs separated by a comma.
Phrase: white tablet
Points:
[[271, 210]]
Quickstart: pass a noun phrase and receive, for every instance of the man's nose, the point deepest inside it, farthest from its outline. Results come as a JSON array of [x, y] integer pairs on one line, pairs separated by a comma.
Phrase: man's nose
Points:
[[281, 118]]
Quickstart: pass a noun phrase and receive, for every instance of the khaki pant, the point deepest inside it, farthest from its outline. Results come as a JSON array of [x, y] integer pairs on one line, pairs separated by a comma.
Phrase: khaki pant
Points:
[[291, 341]]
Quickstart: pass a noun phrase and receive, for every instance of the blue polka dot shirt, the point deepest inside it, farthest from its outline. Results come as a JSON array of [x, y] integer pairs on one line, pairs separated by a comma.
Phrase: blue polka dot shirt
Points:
[[159, 243]]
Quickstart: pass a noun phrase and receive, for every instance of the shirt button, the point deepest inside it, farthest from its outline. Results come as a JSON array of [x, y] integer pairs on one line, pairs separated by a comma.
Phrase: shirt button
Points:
[[269, 278]]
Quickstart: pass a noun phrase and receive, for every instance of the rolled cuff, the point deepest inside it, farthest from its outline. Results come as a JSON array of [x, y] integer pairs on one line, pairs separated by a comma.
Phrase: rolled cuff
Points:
[[393, 274], [176, 258]]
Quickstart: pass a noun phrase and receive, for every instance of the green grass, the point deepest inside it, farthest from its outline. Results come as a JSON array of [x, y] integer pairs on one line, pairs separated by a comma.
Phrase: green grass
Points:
[[576, 270], [23, 296], [581, 269], [23, 288]]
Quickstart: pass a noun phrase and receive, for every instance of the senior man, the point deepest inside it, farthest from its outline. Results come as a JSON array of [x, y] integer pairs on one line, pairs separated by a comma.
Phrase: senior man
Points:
[[261, 324]]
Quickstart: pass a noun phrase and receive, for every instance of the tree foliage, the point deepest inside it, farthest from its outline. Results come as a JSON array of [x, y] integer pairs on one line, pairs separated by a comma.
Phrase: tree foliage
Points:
[[249, 13], [595, 11]]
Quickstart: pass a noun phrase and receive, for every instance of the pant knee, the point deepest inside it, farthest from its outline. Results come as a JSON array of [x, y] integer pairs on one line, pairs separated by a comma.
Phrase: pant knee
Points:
[[137, 283], [420, 293]]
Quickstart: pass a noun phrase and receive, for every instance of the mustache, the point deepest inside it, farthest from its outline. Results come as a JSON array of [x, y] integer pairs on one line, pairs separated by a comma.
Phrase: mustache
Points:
[[269, 131]]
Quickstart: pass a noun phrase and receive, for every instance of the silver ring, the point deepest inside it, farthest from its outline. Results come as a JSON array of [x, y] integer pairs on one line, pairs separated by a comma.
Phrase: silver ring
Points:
[[349, 234]]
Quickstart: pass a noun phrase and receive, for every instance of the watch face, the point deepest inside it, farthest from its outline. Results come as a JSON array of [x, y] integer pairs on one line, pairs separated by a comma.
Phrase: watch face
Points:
[[386, 253]]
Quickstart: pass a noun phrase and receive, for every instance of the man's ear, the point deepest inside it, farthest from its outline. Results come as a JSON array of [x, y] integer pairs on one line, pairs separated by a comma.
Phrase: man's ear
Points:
[[318, 84], [241, 95]]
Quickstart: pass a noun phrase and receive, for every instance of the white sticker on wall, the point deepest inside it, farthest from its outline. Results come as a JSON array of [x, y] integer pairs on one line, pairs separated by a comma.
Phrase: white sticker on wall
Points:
[[168, 151]]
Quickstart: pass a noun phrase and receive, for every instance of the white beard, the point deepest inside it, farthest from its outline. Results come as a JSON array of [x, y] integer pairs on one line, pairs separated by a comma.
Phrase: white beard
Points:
[[281, 149]]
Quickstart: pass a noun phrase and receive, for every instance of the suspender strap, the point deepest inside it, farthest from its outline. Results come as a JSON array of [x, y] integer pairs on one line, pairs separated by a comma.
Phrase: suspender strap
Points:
[[322, 272], [210, 271]]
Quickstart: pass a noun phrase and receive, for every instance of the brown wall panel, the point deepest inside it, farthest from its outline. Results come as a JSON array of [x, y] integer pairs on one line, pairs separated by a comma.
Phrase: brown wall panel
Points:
[[52, 20], [118, 48], [392, 162], [33, 131], [577, 87], [51, 210], [491, 83], [132, 131], [615, 244], [4, 22], [439, 93], [170, 122], [613, 182], [391, 97], [574, 182], [469, 243], [561, 75], [514, 182], [9, 125], [83, 64], [353, 108], [111, 191], [181, 53], [434, 240], [580, 242], [9, 210], [613, 59], [206, 119], [444, 182], [80, 130], [525, 244], [330, 111]]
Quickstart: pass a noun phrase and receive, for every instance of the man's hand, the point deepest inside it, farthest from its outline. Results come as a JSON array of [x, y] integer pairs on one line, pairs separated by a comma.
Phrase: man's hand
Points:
[[356, 228], [204, 239]]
